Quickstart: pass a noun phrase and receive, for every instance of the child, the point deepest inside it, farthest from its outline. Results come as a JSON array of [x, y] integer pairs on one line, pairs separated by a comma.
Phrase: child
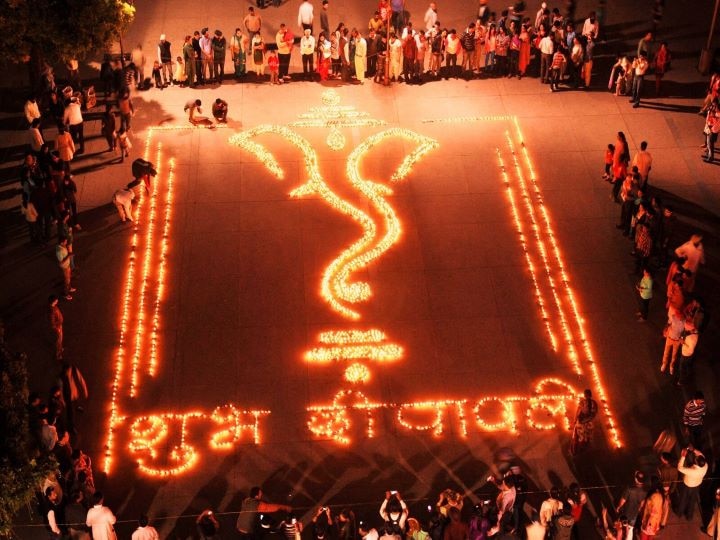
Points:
[[273, 63], [156, 75], [123, 144], [180, 77], [608, 162]]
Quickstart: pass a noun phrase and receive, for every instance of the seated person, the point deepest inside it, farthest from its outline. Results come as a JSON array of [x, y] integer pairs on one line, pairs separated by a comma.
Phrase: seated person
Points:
[[220, 110]]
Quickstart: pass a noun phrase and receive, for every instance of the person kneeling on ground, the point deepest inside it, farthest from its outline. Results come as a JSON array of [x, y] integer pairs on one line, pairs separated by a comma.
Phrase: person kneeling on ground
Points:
[[220, 110], [190, 108]]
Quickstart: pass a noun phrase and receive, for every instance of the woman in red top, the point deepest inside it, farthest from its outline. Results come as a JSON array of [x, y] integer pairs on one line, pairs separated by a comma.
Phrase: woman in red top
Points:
[[621, 158]]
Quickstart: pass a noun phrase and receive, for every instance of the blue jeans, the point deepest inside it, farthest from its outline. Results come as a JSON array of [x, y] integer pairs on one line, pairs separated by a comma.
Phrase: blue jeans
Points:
[[637, 87]]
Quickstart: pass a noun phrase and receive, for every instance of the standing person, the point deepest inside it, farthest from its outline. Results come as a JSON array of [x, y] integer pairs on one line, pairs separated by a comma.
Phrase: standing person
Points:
[[53, 514], [74, 120], [550, 507], [251, 507], [237, 52], [305, 16], [633, 499], [64, 258], [687, 351], [123, 144], [621, 159], [257, 46], [206, 55], [138, 59], [122, 199], [101, 519], [547, 49], [556, 68], [75, 513], [31, 110], [207, 526], [68, 190], [711, 130], [524, 57], [588, 61], [56, 325], [661, 63], [324, 21], [397, 18], [694, 252], [644, 289], [108, 126], [165, 59], [639, 67], [713, 528], [274, 66], [144, 530], [307, 49], [591, 26], [431, 16], [643, 161], [198, 58], [584, 425], [652, 513], [468, 46], [452, 47], [188, 53], [673, 338], [668, 476], [219, 45], [126, 108], [285, 41], [694, 418], [35, 136], [252, 22], [693, 467]]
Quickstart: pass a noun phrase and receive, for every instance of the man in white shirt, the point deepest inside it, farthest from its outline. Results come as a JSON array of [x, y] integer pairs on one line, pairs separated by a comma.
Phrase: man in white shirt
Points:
[[591, 27], [547, 49], [305, 16], [145, 531], [643, 161], [307, 50], [101, 520], [74, 120], [693, 466], [639, 66], [431, 16], [550, 507], [32, 111]]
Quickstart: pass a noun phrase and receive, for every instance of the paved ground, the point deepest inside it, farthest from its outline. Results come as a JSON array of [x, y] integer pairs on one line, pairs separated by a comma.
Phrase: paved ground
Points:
[[240, 265]]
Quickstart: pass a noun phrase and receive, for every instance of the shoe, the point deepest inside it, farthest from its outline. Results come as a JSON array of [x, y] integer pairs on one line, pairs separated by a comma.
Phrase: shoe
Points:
[[663, 368], [78, 227], [73, 289], [68, 297], [631, 100], [637, 105], [638, 314], [641, 319], [672, 370]]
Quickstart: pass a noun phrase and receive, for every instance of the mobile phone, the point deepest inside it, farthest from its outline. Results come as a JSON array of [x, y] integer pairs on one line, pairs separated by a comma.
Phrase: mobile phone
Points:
[[209, 512], [393, 493], [324, 509]]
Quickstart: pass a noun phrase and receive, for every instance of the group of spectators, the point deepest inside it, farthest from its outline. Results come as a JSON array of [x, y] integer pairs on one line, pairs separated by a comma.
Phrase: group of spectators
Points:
[[553, 46]]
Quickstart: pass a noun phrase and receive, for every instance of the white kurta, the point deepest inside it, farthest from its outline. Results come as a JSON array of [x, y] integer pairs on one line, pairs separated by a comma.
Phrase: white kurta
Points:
[[101, 520], [360, 58]]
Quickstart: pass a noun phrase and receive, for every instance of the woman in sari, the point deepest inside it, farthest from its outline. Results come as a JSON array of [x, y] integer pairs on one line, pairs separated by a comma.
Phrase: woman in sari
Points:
[[584, 425]]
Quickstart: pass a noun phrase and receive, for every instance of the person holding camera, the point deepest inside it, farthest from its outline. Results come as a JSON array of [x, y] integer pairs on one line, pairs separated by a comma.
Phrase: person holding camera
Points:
[[394, 512], [207, 525], [693, 467]]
